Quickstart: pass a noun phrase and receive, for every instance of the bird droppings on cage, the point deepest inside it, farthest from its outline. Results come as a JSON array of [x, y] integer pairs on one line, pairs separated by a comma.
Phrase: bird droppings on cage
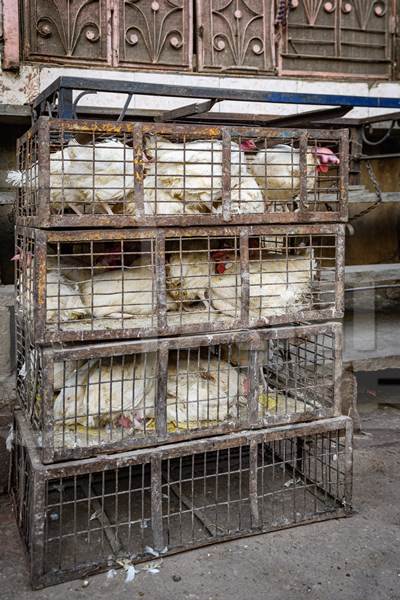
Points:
[[74, 174], [195, 493], [88, 285], [90, 399]]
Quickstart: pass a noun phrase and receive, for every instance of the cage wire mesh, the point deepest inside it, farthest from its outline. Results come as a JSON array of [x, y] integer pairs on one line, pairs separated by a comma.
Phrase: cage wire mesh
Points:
[[90, 285], [89, 399], [86, 516], [75, 173]]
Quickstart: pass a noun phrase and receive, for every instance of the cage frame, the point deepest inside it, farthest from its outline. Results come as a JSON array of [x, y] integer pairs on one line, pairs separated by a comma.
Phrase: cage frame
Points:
[[42, 334], [45, 219], [255, 339], [43, 473]]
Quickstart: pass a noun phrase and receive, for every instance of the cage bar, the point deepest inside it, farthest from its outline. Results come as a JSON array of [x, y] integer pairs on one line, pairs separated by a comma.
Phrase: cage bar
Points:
[[86, 516], [89, 285], [76, 173], [90, 399]]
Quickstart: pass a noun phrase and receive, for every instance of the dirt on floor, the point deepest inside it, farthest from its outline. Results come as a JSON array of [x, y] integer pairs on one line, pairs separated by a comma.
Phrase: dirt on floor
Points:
[[348, 559]]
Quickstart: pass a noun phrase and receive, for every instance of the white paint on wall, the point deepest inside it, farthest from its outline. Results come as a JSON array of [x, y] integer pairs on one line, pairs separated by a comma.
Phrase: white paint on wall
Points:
[[22, 88]]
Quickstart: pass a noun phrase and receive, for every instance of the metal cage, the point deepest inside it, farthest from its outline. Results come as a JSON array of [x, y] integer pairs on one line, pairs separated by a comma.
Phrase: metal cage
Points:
[[87, 400], [91, 285], [82, 517], [90, 173]]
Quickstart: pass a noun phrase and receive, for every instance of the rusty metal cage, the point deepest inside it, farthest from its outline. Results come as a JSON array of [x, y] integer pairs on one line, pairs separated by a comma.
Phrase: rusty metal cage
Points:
[[112, 284], [90, 399], [82, 517], [90, 173]]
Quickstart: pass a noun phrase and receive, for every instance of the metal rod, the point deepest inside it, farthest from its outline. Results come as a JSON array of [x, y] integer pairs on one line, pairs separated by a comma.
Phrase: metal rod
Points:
[[378, 156], [79, 83], [372, 287]]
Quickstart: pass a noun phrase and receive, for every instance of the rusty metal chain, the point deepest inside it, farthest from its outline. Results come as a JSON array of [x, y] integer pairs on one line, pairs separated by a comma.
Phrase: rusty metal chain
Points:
[[378, 193]]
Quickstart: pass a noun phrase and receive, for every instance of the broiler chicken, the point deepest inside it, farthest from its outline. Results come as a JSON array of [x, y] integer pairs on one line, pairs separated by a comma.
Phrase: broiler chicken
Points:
[[97, 177], [277, 172], [277, 283], [204, 390], [63, 371], [63, 296], [120, 293], [63, 299], [187, 178], [119, 392], [122, 393]]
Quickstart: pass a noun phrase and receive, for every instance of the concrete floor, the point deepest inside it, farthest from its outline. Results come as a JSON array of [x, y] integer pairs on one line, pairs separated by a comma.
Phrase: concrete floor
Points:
[[348, 559]]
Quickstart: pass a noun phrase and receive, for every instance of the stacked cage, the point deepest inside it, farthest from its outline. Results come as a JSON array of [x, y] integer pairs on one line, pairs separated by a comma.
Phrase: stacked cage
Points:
[[178, 351]]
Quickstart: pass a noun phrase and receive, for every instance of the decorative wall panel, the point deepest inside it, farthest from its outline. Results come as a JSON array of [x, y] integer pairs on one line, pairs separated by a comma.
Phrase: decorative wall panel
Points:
[[235, 35], [156, 33], [351, 38], [336, 38], [67, 30]]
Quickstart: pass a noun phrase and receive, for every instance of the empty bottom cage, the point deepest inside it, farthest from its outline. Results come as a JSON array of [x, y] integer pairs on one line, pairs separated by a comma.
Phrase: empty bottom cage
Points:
[[85, 516]]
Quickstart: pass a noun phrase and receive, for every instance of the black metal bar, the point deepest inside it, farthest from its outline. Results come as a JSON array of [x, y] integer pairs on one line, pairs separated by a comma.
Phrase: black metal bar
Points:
[[65, 85], [310, 116], [378, 156], [186, 111], [65, 103]]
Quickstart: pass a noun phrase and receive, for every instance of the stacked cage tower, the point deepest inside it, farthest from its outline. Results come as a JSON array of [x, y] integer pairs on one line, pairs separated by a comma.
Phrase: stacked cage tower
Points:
[[178, 295]]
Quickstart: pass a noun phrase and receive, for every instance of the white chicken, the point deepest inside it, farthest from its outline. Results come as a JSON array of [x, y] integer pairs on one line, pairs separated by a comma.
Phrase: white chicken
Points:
[[187, 178], [277, 172], [89, 178], [119, 392], [277, 283], [205, 390], [120, 293], [122, 393], [63, 297], [62, 372], [111, 181]]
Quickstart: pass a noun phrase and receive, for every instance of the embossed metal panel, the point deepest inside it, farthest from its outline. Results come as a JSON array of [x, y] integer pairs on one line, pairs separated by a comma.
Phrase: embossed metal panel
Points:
[[351, 38], [157, 33], [67, 30], [235, 35]]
